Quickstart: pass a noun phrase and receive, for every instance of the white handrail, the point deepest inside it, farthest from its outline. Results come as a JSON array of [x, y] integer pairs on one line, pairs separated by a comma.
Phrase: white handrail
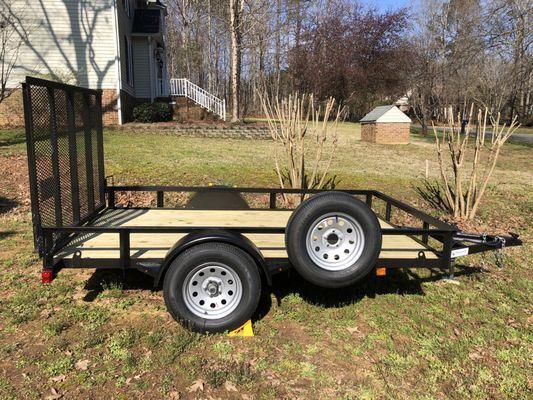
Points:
[[184, 87]]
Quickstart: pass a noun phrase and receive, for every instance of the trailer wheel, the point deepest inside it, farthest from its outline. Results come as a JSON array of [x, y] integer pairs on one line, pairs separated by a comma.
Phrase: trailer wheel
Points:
[[212, 287], [333, 240]]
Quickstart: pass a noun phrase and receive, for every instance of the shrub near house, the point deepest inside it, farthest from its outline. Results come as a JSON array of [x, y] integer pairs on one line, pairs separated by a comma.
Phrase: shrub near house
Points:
[[152, 112]]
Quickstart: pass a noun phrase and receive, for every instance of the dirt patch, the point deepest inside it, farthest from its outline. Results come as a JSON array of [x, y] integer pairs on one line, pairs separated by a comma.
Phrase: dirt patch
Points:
[[495, 226], [14, 191]]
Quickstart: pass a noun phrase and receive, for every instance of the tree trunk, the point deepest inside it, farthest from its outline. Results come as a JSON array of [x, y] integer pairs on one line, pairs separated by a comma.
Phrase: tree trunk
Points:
[[277, 56], [236, 7], [210, 84], [424, 125]]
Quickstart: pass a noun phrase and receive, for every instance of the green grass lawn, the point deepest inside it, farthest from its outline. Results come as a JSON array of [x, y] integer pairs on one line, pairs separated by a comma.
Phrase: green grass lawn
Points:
[[407, 335]]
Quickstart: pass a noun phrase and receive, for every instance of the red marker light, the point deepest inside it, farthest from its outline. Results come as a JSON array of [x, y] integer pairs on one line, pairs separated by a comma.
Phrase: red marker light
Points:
[[46, 276]]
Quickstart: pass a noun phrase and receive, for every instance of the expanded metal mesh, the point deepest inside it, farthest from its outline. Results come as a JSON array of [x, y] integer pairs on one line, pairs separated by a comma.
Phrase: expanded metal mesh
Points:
[[65, 154]]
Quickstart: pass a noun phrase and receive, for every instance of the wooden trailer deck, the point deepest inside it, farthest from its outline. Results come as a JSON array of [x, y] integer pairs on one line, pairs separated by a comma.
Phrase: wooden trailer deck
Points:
[[154, 246]]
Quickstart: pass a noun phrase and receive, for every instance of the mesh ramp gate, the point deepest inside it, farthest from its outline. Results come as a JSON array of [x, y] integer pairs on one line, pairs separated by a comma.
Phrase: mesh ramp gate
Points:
[[65, 155]]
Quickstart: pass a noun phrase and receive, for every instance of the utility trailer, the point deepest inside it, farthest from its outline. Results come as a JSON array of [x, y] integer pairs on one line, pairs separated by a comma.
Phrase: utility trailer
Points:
[[215, 255]]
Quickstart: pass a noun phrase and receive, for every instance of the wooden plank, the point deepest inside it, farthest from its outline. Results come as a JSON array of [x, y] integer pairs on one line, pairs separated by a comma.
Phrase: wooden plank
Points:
[[146, 245], [197, 218], [261, 240]]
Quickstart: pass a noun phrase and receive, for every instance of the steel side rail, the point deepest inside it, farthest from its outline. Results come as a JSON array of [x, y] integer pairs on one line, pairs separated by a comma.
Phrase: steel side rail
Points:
[[375, 193], [185, 229]]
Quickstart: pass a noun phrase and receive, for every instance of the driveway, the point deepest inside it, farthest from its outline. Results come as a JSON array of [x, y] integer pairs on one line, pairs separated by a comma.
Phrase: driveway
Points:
[[516, 137]]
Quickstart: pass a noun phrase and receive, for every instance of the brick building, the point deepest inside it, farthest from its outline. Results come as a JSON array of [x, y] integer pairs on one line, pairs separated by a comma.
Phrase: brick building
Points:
[[113, 45], [385, 125]]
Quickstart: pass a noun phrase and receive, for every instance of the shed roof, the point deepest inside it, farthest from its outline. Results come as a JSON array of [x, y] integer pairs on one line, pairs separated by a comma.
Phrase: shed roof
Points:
[[386, 114]]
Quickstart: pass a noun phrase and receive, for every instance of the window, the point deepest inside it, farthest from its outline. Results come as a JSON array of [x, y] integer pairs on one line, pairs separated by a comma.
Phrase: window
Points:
[[128, 60]]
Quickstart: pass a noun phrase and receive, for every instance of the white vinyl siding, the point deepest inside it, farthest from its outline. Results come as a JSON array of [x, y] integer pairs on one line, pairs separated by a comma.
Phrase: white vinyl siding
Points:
[[71, 40], [124, 29], [141, 60]]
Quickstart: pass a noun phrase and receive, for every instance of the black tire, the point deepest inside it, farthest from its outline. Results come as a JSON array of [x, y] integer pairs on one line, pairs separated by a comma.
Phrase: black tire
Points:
[[198, 256], [304, 218]]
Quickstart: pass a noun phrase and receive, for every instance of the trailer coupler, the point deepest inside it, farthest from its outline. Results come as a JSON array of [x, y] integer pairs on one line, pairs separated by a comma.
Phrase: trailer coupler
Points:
[[471, 243], [484, 239]]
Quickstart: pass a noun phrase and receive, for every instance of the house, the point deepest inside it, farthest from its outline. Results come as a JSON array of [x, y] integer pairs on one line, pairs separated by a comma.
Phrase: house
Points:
[[114, 45], [403, 103], [385, 125]]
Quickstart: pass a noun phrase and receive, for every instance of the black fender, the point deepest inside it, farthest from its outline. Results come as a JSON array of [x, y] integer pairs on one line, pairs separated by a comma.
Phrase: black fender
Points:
[[221, 236]]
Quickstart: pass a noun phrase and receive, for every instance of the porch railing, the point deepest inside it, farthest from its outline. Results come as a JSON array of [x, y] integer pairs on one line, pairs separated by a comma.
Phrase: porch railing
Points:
[[184, 87]]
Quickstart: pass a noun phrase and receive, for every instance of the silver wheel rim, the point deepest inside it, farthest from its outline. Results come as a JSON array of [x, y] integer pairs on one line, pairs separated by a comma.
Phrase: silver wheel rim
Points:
[[212, 290], [335, 241]]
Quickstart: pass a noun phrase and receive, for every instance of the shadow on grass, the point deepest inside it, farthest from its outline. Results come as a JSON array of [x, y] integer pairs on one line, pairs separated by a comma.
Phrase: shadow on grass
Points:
[[397, 281], [12, 137], [6, 234], [434, 194], [6, 204], [104, 279]]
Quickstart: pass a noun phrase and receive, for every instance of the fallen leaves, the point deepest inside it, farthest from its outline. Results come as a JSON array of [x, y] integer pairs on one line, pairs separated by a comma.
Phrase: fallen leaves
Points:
[[475, 356], [174, 395], [55, 395], [136, 377], [197, 386], [352, 329], [58, 378], [78, 295], [82, 365], [230, 386]]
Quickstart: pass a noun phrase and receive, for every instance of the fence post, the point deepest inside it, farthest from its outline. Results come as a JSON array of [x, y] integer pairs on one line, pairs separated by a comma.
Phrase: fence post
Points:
[[369, 200], [425, 236], [272, 204], [124, 238]]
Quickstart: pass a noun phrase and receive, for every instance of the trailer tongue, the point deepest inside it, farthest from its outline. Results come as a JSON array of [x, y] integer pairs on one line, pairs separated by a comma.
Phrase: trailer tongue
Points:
[[213, 261], [471, 243]]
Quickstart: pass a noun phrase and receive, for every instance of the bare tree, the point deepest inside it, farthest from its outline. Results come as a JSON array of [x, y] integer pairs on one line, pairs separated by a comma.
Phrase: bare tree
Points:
[[303, 130], [236, 10], [465, 185], [459, 52], [10, 44], [474, 51], [355, 55]]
